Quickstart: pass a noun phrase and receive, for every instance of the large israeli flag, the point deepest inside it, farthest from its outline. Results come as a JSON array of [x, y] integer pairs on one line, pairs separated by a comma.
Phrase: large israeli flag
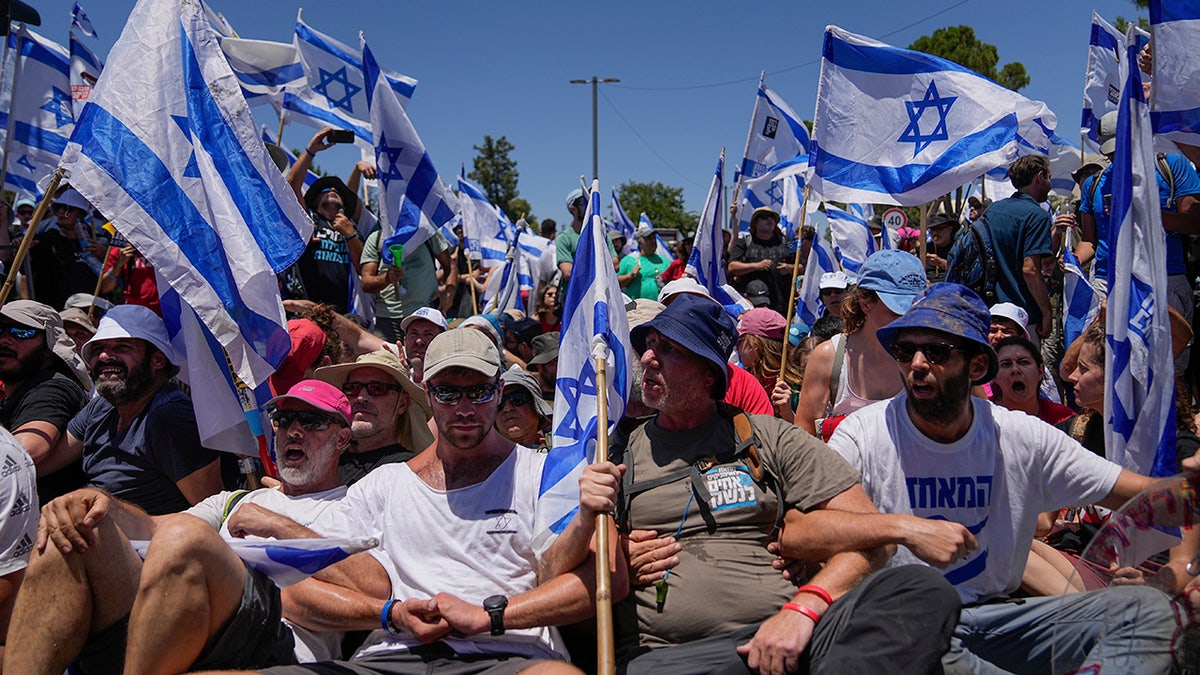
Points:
[[482, 225], [1103, 78], [777, 140], [264, 69], [404, 169], [594, 326], [704, 265], [1139, 404], [168, 149], [894, 126], [337, 91], [42, 117], [85, 70], [1175, 96], [851, 235]]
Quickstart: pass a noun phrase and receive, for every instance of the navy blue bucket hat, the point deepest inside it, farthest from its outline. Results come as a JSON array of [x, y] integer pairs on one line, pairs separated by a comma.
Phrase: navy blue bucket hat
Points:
[[949, 308], [698, 324]]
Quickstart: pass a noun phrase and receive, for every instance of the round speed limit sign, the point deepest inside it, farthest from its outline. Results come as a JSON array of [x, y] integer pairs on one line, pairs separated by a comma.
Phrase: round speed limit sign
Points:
[[894, 219]]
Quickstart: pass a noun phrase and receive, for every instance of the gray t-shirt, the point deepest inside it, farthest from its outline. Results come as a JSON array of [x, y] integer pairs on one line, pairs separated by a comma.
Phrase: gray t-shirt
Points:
[[724, 580]]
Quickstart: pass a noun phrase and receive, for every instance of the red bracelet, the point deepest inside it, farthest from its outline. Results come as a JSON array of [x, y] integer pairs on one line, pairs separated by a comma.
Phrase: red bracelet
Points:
[[817, 591], [812, 614]]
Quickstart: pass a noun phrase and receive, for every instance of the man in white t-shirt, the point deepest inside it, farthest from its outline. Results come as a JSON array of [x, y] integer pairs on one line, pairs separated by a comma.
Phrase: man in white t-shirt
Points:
[[18, 522], [460, 579], [935, 452], [192, 604]]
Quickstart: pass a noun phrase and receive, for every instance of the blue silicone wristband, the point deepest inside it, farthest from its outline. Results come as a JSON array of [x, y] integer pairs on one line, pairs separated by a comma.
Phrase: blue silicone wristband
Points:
[[385, 617]]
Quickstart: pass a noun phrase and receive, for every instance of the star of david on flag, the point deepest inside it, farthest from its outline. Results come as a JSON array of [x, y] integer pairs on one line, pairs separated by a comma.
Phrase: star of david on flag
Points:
[[594, 326], [895, 126], [347, 89]]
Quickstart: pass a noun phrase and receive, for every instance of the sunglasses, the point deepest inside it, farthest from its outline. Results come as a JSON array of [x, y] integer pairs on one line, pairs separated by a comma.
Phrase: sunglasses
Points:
[[450, 395], [375, 389], [20, 332], [25, 212], [309, 421], [936, 353], [516, 399]]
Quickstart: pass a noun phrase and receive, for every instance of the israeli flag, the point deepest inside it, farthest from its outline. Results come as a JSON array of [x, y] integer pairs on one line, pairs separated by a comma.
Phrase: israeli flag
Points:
[[1175, 96], [808, 305], [42, 118], [622, 224], [504, 290], [217, 20], [704, 265], [307, 107], [894, 126], [404, 168], [481, 226], [777, 141], [288, 561], [853, 241], [168, 149], [265, 69], [8, 63], [337, 91], [594, 326], [1081, 302], [81, 22], [1103, 78], [537, 253], [790, 213], [268, 137], [1139, 404], [85, 70]]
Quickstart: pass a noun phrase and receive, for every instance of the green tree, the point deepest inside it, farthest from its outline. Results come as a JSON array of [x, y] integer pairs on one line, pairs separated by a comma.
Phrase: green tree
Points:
[[661, 203], [518, 206], [959, 44], [495, 172]]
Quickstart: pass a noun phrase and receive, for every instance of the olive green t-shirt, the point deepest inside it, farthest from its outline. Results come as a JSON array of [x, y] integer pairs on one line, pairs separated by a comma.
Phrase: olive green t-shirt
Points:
[[724, 580]]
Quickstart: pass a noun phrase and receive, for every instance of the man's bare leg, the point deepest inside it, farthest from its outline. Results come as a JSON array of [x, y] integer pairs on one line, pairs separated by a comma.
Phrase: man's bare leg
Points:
[[67, 597], [191, 585]]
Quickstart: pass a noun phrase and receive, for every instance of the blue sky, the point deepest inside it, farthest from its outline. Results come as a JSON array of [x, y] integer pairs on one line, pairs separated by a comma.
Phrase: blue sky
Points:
[[688, 71]]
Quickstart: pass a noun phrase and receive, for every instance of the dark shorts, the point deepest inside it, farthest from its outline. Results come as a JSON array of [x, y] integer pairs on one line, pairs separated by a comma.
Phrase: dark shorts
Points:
[[434, 658], [254, 637]]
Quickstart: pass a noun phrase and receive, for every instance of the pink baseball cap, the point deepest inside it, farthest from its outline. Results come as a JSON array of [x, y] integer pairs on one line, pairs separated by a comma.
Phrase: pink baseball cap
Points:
[[763, 321], [320, 395]]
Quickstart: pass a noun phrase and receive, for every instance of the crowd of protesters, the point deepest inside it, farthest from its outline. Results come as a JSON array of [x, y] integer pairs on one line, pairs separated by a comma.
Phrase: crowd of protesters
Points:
[[891, 489]]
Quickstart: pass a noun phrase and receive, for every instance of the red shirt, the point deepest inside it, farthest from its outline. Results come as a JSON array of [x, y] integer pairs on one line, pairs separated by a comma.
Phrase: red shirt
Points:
[[746, 393], [137, 276]]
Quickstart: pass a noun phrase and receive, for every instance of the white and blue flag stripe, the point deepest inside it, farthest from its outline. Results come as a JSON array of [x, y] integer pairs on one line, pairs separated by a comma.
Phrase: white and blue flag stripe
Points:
[[1081, 302], [808, 305], [85, 70], [1103, 79], [1175, 96], [481, 225], [594, 326], [80, 21], [181, 171], [1139, 402], [894, 126], [776, 142], [264, 69], [705, 265], [622, 225], [853, 242], [288, 561]]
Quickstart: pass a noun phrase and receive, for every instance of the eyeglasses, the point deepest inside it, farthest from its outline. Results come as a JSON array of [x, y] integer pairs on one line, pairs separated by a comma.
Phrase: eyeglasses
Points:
[[375, 389], [517, 399], [309, 421], [936, 353], [450, 395], [19, 332]]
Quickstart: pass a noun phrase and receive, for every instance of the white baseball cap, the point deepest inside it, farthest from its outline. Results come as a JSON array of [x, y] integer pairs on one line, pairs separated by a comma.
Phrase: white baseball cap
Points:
[[427, 313], [1007, 310]]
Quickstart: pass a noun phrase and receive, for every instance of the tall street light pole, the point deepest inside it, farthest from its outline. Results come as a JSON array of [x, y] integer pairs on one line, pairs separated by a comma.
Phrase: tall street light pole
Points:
[[595, 82]]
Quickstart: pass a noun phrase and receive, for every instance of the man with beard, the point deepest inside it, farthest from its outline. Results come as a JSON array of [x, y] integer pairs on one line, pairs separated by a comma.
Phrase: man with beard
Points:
[[192, 604], [461, 579], [763, 256], [390, 414], [45, 384], [138, 436], [687, 472], [935, 452]]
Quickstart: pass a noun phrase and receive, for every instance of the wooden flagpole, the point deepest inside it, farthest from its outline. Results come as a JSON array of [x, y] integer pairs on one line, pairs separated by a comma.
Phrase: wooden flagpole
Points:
[[787, 327], [27, 240], [605, 642]]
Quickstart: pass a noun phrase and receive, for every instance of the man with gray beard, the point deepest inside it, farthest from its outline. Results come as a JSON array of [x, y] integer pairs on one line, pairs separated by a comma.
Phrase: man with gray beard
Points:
[[138, 437], [192, 604]]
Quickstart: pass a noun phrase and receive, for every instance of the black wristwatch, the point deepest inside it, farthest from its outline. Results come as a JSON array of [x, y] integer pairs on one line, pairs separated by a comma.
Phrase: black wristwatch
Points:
[[495, 605]]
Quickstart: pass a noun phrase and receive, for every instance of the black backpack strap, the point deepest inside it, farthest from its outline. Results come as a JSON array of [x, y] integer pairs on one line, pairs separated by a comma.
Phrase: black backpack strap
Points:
[[1164, 170], [990, 269]]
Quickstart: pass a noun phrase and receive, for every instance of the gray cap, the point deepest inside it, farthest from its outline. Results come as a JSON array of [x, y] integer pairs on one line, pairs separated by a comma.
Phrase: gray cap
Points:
[[463, 348], [545, 348], [43, 317], [517, 377], [1107, 133]]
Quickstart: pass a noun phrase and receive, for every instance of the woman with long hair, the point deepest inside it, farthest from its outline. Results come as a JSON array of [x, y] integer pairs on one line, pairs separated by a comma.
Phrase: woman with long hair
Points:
[[760, 347]]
